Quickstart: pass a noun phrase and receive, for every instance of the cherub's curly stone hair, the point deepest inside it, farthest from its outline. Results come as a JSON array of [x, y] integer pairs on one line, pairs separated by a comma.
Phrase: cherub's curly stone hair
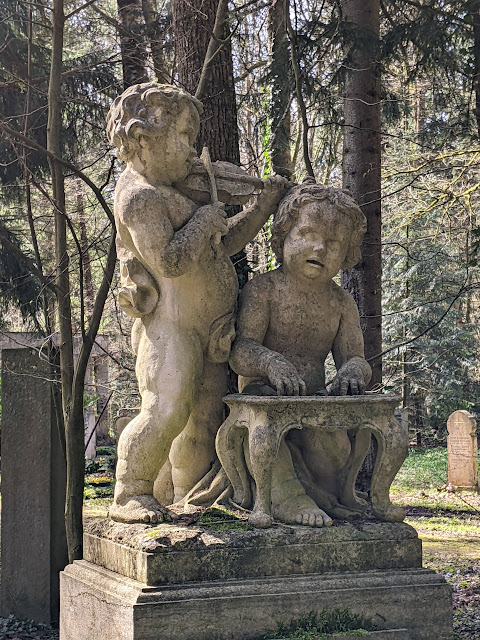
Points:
[[310, 191], [131, 114]]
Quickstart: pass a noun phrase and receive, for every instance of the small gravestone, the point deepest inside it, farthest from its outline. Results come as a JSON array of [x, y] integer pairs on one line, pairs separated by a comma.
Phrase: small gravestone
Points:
[[462, 451], [90, 436], [33, 549]]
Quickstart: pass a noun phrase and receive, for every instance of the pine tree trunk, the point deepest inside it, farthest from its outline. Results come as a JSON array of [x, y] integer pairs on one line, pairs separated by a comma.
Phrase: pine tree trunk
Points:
[[476, 55], [156, 41], [193, 25], [361, 175], [281, 89], [361, 167], [133, 43]]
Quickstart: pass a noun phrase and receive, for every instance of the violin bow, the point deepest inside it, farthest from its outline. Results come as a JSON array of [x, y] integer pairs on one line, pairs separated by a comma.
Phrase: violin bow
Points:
[[207, 163]]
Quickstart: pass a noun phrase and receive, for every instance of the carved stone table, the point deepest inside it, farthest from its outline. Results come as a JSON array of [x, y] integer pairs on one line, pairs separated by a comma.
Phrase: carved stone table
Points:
[[268, 419]]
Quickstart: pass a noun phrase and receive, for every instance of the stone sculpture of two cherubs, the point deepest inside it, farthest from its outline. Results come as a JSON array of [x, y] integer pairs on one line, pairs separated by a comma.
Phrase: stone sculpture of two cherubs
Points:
[[177, 280]]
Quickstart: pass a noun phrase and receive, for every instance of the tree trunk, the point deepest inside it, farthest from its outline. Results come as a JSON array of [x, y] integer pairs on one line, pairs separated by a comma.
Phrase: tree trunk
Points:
[[85, 257], [476, 55], [193, 23], [156, 41], [73, 440], [133, 43], [361, 167], [281, 90]]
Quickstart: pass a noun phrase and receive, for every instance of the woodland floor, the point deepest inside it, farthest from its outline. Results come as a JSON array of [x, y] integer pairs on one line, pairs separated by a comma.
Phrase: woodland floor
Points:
[[447, 522]]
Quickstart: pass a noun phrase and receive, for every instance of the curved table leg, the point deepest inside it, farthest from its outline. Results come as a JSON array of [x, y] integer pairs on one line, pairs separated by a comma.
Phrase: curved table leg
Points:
[[263, 443], [392, 441], [360, 441], [229, 446]]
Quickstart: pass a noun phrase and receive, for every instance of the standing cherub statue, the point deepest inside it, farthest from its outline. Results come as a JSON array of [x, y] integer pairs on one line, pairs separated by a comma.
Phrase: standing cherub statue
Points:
[[178, 282], [289, 320]]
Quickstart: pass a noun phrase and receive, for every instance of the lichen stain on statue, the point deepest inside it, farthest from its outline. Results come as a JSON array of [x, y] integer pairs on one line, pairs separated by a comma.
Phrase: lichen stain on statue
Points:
[[289, 320], [177, 280]]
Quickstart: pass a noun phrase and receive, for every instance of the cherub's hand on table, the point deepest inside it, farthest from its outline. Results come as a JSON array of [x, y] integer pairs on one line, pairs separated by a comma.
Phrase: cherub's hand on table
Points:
[[349, 380], [284, 377]]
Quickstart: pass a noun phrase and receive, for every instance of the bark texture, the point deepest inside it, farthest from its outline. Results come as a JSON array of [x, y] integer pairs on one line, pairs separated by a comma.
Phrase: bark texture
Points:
[[193, 23], [133, 43], [476, 54], [362, 164], [281, 88]]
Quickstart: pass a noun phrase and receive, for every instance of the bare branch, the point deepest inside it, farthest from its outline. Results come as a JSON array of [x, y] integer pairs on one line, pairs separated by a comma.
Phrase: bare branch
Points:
[[34, 145], [214, 46]]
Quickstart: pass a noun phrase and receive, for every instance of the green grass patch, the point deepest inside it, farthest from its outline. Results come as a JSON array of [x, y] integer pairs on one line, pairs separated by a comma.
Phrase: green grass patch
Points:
[[457, 524], [321, 625], [423, 468], [221, 519]]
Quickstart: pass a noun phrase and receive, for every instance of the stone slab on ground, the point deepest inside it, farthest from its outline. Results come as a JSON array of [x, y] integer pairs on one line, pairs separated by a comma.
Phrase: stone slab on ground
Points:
[[100, 604], [169, 554]]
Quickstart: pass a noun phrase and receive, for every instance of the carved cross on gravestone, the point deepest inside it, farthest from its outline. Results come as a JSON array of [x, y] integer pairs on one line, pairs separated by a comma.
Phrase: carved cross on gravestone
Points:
[[462, 451]]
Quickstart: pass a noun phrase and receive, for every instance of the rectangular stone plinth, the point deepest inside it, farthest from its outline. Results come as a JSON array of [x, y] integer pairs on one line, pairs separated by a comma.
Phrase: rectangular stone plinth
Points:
[[169, 554], [34, 548], [99, 604]]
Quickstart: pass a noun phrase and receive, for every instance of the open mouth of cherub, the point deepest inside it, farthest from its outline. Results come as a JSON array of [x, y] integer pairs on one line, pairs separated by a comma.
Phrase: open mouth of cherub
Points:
[[315, 263]]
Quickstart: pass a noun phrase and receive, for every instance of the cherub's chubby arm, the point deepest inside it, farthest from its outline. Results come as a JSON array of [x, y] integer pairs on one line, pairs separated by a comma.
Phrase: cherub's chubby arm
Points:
[[245, 225], [249, 357], [353, 371], [144, 213]]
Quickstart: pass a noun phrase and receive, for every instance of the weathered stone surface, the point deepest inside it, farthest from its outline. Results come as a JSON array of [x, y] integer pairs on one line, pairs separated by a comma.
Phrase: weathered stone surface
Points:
[[390, 634], [170, 554], [268, 421], [33, 490], [289, 320], [97, 603], [179, 283], [462, 451]]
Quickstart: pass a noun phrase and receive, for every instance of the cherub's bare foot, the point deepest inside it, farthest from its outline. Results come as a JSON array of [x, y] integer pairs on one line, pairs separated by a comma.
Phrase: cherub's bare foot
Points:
[[301, 509], [332, 506], [140, 509], [389, 513], [352, 501], [260, 519]]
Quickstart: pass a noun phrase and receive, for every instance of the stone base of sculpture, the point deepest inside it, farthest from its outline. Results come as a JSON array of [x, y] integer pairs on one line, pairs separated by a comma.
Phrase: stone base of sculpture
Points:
[[170, 582]]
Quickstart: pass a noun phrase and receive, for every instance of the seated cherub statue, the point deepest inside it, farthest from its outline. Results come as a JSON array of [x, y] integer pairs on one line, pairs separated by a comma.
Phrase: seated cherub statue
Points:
[[289, 320]]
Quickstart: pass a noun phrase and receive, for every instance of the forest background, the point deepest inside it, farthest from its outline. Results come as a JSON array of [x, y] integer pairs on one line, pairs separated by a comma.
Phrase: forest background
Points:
[[284, 83]]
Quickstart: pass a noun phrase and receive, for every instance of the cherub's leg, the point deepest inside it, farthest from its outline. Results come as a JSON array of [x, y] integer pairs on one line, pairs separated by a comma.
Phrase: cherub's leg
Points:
[[290, 503], [169, 363], [193, 451], [325, 454]]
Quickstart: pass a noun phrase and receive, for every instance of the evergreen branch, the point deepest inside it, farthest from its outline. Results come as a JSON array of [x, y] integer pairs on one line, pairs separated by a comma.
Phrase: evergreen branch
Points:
[[425, 331], [29, 263], [38, 147]]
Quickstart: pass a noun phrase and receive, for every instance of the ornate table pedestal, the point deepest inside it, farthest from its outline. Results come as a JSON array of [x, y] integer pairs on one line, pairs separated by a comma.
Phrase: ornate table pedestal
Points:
[[268, 419]]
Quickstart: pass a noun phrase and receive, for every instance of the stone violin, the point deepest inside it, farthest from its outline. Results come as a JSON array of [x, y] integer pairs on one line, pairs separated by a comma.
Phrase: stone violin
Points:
[[234, 185]]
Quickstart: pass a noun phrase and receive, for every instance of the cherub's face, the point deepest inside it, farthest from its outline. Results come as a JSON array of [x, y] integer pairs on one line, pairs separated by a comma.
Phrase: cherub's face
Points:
[[316, 246], [173, 151]]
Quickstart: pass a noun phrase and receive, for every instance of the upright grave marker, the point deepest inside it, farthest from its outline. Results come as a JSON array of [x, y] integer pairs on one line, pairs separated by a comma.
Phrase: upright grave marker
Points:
[[33, 549], [462, 451]]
